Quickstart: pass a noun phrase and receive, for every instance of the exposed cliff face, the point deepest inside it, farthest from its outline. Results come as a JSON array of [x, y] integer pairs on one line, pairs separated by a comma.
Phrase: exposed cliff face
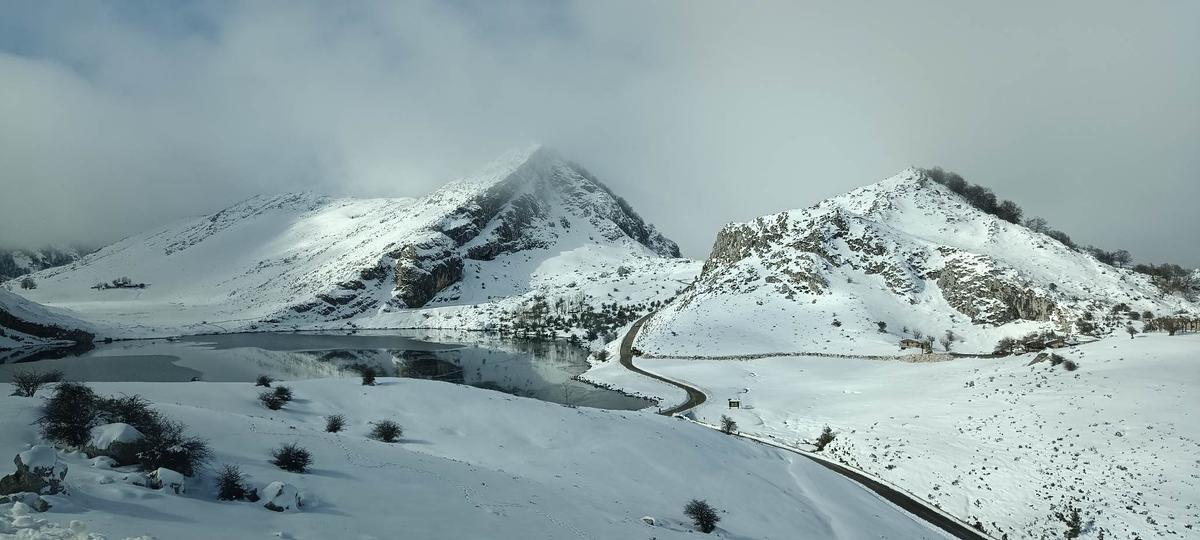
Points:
[[534, 204], [886, 262], [423, 270], [973, 285]]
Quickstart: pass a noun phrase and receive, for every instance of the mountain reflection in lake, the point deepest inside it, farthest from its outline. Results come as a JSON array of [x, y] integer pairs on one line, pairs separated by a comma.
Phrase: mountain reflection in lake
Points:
[[538, 370]]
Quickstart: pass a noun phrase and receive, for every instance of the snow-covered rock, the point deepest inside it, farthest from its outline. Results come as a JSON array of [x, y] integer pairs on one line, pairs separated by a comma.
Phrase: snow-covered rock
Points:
[[281, 497], [38, 471], [104, 436], [167, 479], [906, 253], [30, 500], [116, 441], [17, 522]]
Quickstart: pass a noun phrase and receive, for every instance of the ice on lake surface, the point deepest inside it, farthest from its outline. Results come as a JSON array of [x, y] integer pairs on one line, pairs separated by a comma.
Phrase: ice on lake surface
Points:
[[541, 370]]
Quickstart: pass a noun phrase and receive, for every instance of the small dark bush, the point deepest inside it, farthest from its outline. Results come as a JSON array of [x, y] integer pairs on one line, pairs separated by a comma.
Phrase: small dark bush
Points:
[[231, 485], [368, 373], [132, 410], [264, 380], [1072, 520], [69, 415], [1070, 365], [271, 400], [703, 515], [165, 445], [284, 393], [827, 436], [27, 383], [602, 355], [291, 457], [728, 426], [386, 431], [1005, 346], [334, 423]]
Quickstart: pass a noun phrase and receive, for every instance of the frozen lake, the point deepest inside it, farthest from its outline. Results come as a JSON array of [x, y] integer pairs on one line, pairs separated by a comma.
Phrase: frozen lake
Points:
[[538, 370]]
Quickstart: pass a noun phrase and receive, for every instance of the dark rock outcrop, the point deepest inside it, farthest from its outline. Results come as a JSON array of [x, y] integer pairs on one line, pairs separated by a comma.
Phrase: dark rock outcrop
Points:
[[38, 471], [989, 298]]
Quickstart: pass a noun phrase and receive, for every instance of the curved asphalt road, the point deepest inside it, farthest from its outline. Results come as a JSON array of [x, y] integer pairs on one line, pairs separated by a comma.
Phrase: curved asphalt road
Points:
[[694, 395], [909, 503]]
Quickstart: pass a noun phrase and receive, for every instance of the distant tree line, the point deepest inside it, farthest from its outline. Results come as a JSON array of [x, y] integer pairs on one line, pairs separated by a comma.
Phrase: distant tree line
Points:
[[1171, 278], [119, 283], [538, 318]]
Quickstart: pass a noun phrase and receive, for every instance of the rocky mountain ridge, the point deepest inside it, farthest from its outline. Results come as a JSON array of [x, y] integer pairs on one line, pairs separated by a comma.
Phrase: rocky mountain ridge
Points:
[[910, 254]]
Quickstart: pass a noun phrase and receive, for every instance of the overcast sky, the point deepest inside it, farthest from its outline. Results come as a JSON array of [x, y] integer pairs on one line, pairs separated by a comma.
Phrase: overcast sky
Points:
[[123, 116]]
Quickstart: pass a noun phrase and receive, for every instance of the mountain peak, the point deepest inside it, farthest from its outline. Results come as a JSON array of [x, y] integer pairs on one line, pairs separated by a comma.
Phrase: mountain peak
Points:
[[907, 251]]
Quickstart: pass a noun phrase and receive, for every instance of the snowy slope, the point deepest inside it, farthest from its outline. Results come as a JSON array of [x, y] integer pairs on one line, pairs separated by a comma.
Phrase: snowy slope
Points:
[[527, 222], [472, 464], [1001, 441], [27, 324], [907, 252]]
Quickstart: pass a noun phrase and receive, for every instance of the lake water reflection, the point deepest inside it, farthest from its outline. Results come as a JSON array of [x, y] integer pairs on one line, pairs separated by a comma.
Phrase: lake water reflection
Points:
[[538, 370]]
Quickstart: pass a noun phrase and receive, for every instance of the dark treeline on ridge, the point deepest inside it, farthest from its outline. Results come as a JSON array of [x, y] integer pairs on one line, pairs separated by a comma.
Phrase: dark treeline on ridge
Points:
[[1169, 277]]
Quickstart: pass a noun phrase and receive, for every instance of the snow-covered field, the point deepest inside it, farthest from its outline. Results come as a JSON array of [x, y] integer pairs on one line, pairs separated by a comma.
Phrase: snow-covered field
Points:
[[994, 440], [472, 464]]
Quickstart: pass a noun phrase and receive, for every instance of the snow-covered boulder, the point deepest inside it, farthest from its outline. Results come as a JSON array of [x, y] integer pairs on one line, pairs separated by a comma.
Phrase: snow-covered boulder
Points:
[[167, 479], [117, 441], [31, 500], [103, 462], [18, 523], [38, 471], [282, 497]]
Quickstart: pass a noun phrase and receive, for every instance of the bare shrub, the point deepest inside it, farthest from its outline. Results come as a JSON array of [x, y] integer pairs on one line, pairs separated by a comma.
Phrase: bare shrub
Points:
[[728, 426], [827, 436], [26, 383], [291, 457], [703, 515], [386, 431], [335, 423]]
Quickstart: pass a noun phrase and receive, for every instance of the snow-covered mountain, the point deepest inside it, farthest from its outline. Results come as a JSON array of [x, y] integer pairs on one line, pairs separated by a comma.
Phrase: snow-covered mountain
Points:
[[902, 258], [528, 222], [27, 324], [18, 262]]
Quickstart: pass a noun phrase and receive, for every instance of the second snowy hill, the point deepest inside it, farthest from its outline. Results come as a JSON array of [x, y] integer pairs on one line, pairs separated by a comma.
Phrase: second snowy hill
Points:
[[531, 227], [905, 261]]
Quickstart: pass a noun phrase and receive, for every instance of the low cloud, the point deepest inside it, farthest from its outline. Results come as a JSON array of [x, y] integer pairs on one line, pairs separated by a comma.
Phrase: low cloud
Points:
[[117, 117]]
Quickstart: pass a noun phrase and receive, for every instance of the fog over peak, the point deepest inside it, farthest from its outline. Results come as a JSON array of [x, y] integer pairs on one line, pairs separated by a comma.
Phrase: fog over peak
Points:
[[120, 116]]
